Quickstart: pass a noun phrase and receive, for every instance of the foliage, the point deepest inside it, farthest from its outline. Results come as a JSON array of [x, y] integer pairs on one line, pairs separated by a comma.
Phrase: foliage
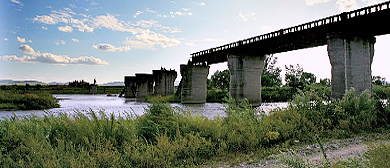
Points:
[[220, 80], [26, 100], [271, 74], [295, 77], [378, 80], [171, 137], [79, 84]]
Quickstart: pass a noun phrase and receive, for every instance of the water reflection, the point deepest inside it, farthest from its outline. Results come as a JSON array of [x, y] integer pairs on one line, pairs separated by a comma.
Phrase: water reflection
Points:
[[123, 107]]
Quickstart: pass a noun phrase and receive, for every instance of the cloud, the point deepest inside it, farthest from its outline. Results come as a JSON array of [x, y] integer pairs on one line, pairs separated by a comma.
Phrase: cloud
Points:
[[201, 4], [246, 16], [5, 39], [65, 29], [26, 49], [156, 38], [20, 40], [346, 5], [17, 2], [109, 47], [43, 27], [313, 2], [50, 58], [75, 40], [149, 10], [137, 13], [135, 44], [58, 42], [191, 44], [212, 40], [110, 22], [371, 2]]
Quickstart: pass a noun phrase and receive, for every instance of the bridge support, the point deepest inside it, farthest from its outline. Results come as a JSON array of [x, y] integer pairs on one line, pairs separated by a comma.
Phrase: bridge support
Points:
[[245, 77], [130, 86], [164, 82], [144, 86], [194, 83], [351, 58]]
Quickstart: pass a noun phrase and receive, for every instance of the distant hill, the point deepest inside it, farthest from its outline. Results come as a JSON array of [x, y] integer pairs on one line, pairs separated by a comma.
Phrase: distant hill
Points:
[[12, 82], [113, 84]]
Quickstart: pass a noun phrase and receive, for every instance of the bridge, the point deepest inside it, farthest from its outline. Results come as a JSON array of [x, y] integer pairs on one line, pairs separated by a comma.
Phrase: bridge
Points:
[[350, 37]]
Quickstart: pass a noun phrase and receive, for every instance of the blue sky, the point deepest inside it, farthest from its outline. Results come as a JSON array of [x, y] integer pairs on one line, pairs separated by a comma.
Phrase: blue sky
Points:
[[85, 39]]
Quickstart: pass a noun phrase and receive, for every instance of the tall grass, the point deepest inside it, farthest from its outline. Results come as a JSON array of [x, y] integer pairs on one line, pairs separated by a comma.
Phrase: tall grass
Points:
[[171, 137], [25, 100]]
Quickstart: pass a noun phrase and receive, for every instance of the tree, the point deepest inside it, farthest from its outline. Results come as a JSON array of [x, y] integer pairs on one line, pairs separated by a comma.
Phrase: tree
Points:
[[308, 78], [220, 79], [325, 82], [378, 80], [295, 77], [271, 74]]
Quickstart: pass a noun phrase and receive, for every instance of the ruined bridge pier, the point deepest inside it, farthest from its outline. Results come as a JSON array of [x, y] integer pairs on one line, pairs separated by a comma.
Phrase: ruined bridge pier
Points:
[[351, 58], [161, 83]]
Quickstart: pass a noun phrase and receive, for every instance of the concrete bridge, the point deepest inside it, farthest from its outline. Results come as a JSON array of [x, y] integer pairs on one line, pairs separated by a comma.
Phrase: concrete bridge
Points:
[[161, 82], [350, 37]]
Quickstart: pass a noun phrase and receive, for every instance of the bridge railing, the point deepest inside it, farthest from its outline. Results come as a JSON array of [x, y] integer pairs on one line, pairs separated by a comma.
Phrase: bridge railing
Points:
[[305, 26]]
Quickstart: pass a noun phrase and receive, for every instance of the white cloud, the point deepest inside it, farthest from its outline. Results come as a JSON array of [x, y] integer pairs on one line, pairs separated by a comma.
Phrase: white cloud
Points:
[[185, 9], [135, 44], [75, 40], [137, 13], [149, 10], [5, 39], [163, 16], [313, 2], [191, 44], [58, 42], [346, 5], [51, 58], [20, 40], [30, 41], [109, 47], [26, 49], [65, 29], [17, 2], [201, 4], [43, 27], [156, 38], [246, 16], [110, 22]]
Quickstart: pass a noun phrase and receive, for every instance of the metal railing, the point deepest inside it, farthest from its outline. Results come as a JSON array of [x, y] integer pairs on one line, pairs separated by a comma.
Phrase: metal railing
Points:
[[305, 26]]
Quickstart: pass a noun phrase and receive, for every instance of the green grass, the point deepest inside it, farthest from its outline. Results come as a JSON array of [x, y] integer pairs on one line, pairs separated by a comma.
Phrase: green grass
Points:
[[26, 100], [166, 136]]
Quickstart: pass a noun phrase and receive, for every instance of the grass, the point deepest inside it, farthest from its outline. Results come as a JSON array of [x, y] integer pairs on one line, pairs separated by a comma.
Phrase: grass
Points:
[[26, 100], [166, 136]]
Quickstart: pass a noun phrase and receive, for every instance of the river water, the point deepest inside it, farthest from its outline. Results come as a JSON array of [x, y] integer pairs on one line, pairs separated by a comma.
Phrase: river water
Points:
[[70, 104]]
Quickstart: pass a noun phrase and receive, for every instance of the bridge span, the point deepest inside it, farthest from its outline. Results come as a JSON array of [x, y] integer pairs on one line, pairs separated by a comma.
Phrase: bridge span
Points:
[[349, 36]]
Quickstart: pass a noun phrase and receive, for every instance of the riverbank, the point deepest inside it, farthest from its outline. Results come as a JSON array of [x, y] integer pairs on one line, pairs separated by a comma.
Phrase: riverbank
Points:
[[166, 136], [26, 100]]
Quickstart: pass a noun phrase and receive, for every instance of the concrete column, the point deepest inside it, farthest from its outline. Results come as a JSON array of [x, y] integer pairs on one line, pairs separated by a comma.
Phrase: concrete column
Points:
[[164, 82], [351, 58], [245, 77], [144, 86], [130, 86], [194, 83]]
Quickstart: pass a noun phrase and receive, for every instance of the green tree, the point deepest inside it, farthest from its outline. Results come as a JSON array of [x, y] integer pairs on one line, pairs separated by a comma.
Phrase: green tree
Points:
[[295, 77], [325, 82], [220, 80], [378, 80], [271, 74]]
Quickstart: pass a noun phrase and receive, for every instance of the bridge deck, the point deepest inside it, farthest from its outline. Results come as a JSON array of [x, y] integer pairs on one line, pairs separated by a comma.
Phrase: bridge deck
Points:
[[369, 21]]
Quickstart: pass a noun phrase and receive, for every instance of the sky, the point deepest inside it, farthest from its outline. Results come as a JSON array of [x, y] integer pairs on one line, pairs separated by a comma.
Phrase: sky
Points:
[[62, 41]]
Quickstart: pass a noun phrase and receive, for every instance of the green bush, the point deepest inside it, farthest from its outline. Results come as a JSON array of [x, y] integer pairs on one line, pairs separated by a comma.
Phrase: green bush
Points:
[[25, 100]]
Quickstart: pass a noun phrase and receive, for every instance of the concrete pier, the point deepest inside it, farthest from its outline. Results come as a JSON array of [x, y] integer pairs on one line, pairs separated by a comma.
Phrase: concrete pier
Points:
[[144, 86], [245, 77], [130, 86], [194, 83], [351, 58], [164, 82]]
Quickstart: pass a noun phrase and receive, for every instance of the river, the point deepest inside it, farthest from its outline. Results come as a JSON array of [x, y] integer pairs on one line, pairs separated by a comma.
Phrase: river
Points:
[[69, 104]]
